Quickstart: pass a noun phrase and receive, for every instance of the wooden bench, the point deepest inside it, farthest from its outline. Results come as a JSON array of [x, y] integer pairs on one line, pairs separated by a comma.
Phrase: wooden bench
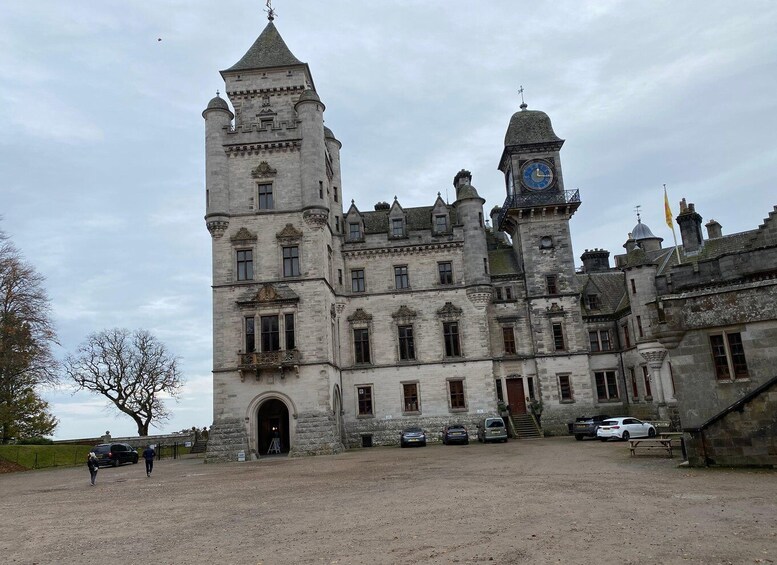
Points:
[[651, 443]]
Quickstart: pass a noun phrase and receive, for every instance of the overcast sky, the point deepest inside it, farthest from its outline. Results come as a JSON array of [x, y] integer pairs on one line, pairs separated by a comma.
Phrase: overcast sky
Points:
[[102, 139]]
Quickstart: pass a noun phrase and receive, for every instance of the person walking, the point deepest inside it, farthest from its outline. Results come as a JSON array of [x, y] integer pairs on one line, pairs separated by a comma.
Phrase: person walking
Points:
[[148, 455], [93, 464]]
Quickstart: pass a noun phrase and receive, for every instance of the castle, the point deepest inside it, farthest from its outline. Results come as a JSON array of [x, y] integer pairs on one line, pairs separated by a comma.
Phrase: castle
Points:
[[335, 327]]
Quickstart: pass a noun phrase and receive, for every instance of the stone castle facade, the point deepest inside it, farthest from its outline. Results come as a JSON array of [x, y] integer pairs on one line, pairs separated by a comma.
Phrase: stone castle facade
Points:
[[335, 327]]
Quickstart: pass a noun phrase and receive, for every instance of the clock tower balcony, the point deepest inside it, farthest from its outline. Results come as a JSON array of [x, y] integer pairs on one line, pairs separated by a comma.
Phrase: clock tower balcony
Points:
[[556, 201]]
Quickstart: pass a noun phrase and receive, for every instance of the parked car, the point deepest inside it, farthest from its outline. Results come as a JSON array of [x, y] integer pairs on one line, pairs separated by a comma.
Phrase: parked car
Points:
[[586, 426], [624, 428], [455, 433], [492, 429], [412, 436], [115, 454]]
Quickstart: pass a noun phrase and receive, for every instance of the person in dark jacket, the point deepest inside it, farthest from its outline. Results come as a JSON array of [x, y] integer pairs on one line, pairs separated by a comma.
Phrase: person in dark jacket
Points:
[[93, 464], [148, 455]]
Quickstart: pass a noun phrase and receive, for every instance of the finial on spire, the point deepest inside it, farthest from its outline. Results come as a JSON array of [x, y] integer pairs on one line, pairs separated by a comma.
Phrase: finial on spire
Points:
[[523, 103], [270, 11], [636, 209], [218, 94]]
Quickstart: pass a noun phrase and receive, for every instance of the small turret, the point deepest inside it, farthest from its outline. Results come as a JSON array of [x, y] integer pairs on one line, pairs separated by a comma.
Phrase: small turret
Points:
[[595, 260], [469, 207], [218, 118]]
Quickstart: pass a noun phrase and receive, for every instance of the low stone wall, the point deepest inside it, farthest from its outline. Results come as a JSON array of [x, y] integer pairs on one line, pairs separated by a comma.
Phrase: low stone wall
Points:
[[135, 441], [386, 432]]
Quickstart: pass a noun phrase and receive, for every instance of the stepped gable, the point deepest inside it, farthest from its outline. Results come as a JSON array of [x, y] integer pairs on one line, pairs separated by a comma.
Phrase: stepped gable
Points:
[[269, 50]]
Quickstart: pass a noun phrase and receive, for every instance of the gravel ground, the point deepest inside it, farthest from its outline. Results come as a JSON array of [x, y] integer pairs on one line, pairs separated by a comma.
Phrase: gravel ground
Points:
[[545, 501]]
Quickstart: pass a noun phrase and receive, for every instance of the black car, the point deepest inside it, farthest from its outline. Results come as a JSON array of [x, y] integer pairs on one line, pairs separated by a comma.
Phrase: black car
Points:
[[412, 436], [455, 433], [115, 454], [586, 426]]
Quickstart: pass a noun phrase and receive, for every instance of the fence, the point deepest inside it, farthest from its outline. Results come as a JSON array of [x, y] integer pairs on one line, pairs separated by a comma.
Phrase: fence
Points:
[[45, 456]]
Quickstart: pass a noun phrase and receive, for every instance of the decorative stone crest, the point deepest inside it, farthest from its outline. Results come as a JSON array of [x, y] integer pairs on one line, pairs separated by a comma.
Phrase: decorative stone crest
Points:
[[289, 234], [449, 312], [360, 316], [267, 294], [263, 170], [243, 234], [404, 315], [554, 309]]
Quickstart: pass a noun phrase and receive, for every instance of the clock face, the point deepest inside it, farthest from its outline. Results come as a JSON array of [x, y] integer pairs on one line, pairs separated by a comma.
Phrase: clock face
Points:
[[537, 175]]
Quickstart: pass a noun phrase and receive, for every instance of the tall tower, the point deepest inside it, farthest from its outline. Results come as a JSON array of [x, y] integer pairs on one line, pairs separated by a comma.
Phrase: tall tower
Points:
[[272, 208], [536, 215]]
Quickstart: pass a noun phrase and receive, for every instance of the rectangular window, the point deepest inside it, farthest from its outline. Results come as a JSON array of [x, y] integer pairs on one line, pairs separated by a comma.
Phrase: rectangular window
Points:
[[633, 286], [440, 224], [639, 327], [508, 293], [485, 265], [265, 197], [626, 335], [456, 392], [446, 272], [364, 395], [593, 302], [728, 355], [357, 280], [321, 189], [646, 378], [498, 292], [558, 338], [600, 340], [337, 224], [508, 336], [564, 389], [406, 343], [339, 276], [245, 265], [530, 383], [499, 394], [401, 279], [250, 335], [450, 332], [606, 385], [634, 388], [551, 283], [288, 326], [271, 340], [361, 345], [354, 231], [410, 397], [397, 227], [334, 188], [291, 261]]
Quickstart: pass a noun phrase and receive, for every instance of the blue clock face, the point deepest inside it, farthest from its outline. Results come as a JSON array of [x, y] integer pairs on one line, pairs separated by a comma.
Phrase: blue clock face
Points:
[[537, 175]]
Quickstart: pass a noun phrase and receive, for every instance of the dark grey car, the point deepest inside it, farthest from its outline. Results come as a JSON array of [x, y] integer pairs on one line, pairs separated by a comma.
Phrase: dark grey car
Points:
[[115, 454], [412, 436]]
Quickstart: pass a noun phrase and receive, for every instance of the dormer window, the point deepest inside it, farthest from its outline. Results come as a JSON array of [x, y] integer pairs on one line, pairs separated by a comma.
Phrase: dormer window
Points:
[[440, 224], [397, 227], [593, 302]]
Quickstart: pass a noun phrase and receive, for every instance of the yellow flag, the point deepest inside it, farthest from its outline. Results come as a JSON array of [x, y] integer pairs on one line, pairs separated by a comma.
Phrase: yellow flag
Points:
[[667, 210]]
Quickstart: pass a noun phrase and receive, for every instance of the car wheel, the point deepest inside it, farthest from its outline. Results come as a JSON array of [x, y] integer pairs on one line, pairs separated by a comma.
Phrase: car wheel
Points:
[[504, 440], [602, 439], [651, 432], [402, 444], [115, 462], [625, 436], [578, 437], [466, 442], [135, 460]]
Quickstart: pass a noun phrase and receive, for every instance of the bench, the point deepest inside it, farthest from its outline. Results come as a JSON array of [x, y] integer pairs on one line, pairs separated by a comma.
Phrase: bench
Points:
[[651, 443]]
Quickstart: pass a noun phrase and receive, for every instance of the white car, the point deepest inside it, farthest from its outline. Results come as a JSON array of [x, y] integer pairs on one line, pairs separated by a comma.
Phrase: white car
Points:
[[624, 428]]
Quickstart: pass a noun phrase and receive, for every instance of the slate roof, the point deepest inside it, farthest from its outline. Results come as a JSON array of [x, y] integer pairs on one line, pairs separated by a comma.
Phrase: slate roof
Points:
[[530, 126], [417, 219], [269, 50], [609, 286], [502, 261]]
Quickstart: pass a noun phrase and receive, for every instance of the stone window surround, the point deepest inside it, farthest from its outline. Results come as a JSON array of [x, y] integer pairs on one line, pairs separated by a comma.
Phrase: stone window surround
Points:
[[237, 251], [403, 404], [361, 320], [268, 194], [512, 340], [402, 276], [363, 279], [439, 273], [599, 341], [371, 388], [265, 311], [609, 398], [463, 382], [561, 399], [299, 260], [724, 333]]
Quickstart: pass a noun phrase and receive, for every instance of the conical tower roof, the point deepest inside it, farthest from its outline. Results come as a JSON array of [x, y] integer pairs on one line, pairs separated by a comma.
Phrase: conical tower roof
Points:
[[269, 50]]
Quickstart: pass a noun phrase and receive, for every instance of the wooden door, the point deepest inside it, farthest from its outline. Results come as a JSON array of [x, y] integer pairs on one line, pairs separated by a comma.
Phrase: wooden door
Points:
[[516, 398]]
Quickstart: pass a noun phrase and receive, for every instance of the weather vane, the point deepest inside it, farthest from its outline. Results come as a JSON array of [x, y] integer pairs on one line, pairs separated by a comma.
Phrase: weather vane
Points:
[[523, 103], [636, 209], [270, 11]]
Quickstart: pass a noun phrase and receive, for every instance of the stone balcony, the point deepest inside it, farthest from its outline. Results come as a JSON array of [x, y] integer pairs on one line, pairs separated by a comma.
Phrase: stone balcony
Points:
[[256, 362]]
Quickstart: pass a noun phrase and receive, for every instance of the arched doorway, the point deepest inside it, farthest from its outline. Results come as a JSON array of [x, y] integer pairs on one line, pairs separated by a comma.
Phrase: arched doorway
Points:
[[273, 421]]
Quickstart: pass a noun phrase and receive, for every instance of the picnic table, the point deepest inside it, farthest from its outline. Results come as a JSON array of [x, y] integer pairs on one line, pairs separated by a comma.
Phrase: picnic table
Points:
[[651, 443]]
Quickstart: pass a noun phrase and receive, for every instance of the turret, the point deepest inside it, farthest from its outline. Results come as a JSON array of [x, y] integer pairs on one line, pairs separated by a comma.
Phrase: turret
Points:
[[310, 111], [469, 207], [218, 118], [595, 260]]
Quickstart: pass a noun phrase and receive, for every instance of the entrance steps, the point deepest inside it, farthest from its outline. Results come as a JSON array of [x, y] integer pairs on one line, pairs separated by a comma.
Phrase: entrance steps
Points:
[[524, 426]]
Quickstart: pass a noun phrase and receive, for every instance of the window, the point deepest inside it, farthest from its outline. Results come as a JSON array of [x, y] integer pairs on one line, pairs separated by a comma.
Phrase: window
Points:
[[606, 385], [364, 396], [633, 286], [397, 229], [508, 293], [410, 397], [361, 345], [406, 343], [499, 394], [450, 332], [530, 383], [245, 265], [728, 356], [271, 340], [440, 224], [485, 265], [337, 224], [446, 272], [265, 197], [334, 188], [250, 335], [646, 378], [357, 280], [565, 389], [400, 277], [593, 302], [558, 338], [639, 326], [626, 335], [321, 189], [546, 242], [288, 325], [291, 261], [354, 231], [456, 394], [498, 292], [508, 336], [600, 340], [551, 283], [634, 389], [339, 276]]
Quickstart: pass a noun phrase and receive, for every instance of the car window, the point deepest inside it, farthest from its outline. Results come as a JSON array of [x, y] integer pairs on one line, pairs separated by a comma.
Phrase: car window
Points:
[[609, 423], [117, 447], [102, 448], [496, 424]]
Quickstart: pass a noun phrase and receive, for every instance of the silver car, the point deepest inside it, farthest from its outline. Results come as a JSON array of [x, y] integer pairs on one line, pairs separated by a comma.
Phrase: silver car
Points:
[[492, 429]]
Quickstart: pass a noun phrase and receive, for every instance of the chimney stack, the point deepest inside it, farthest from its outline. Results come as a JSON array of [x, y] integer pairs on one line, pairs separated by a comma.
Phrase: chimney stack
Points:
[[714, 229], [595, 260], [690, 227]]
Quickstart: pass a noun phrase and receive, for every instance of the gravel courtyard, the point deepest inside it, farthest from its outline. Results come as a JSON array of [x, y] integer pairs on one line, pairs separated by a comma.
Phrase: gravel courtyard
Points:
[[545, 501]]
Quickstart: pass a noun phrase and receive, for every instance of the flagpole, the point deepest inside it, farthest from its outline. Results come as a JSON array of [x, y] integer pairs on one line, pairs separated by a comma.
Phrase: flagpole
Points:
[[670, 223]]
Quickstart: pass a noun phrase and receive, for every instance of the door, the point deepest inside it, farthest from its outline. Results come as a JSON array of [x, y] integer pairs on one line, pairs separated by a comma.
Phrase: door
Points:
[[516, 398]]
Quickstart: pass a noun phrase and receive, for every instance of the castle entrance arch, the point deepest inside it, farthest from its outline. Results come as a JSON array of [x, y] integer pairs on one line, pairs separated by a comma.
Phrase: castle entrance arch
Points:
[[272, 421]]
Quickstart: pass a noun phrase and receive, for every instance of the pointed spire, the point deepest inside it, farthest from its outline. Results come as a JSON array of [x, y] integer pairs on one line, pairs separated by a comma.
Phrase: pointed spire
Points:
[[269, 50]]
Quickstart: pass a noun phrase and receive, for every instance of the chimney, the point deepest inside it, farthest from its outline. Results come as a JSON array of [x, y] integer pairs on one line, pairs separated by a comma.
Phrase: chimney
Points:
[[690, 227], [714, 229], [595, 260]]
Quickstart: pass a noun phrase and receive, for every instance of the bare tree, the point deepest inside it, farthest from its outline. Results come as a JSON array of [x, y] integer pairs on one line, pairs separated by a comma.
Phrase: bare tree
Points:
[[132, 370], [26, 339]]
